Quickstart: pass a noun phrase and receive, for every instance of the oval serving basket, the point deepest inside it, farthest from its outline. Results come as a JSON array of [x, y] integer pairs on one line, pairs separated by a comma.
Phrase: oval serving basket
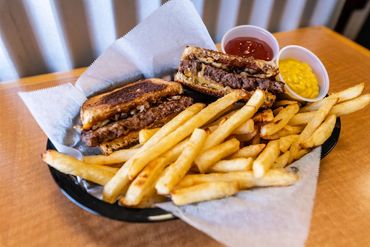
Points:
[[79, 196]]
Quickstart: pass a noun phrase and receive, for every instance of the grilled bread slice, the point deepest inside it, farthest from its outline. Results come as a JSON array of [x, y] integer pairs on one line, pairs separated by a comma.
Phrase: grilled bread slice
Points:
[[217, 74], [113, 105], [249, 65]]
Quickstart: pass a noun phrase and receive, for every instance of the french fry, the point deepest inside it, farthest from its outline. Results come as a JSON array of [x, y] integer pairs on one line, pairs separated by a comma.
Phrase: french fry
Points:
[[285, 102], [116, 157], [178, 170], [211, 128], [137, 146], [344, 108], [146, 134], [293, 129], [277, 110], [264, 116], [144, 183], [281, 161], [234, 165], [322, 133], [223, 115], [214, 125], [251, 151], [245, 179], [277, 177], [245, 128], [286, 141], [301, 118], [351, 106], [286, 131], [174, 124], [209, 157], [70, 165], [220, 118], [256, 139], [280, 121], [174, 152], [107, 168], [238, 118], [120, 180], [317, 119], [181, 132], [142, 190], [265, 160], [347, 94], [294, 150], [148, 201], [204, 192], [247, 137], [301, 153]]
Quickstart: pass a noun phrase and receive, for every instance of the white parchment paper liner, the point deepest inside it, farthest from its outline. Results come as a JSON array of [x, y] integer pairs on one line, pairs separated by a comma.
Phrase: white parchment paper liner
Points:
[[55, 110], [259, 217]]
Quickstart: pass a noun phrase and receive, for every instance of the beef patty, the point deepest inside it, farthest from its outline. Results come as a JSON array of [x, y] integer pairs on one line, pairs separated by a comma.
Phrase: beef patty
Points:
[[147, 117], [232, 79]]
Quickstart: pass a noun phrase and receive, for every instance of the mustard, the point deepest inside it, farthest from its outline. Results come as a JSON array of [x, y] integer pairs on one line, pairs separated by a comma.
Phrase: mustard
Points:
[[299, 77]]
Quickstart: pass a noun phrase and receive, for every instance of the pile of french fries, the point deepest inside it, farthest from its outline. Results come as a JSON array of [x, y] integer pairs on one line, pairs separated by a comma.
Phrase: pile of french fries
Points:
[[214, 151]]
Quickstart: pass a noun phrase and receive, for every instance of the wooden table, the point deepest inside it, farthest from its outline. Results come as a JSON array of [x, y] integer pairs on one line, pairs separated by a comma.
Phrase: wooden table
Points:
[[33, 211]]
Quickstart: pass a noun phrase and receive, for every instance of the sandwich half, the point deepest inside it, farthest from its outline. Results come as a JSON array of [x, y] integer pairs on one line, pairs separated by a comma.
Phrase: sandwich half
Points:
[[216, 73], [113, 120]]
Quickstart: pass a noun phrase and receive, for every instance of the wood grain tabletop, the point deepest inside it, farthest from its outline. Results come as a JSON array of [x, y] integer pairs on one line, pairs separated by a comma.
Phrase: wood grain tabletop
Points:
[[34, 212]]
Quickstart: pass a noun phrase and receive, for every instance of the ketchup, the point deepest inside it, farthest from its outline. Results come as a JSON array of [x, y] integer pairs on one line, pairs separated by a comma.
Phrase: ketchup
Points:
[[248, 46]]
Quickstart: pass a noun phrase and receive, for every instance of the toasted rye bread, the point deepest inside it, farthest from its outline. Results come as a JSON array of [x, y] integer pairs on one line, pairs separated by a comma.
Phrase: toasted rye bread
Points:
[[123, 99], [215, 89], [212, 88], [128, 140], [251, 66]]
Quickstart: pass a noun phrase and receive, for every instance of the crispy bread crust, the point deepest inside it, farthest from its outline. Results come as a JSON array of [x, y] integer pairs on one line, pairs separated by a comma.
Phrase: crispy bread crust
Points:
[[251, 66], [123, 99], [128, 140], [255, 67], [189, 82], [221, 90]]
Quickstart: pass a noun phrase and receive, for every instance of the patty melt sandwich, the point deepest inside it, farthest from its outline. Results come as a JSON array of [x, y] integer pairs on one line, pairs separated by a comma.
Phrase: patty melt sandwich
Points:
[[216, 73], [113, 120]]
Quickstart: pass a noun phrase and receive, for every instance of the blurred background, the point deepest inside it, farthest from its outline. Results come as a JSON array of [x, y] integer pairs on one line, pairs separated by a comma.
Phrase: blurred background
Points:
[[41, 36]]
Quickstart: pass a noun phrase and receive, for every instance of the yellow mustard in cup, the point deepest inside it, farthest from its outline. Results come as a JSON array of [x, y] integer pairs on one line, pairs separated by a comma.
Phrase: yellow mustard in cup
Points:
[[299, 77]]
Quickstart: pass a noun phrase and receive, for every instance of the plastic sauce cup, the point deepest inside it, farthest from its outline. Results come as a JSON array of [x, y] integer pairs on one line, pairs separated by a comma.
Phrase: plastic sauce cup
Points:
[[304, 55], [254, 32]]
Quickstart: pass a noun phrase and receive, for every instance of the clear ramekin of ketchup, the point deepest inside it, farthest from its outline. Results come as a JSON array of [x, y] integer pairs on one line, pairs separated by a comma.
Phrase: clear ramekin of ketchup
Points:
[[249, 46], [250, 41]]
